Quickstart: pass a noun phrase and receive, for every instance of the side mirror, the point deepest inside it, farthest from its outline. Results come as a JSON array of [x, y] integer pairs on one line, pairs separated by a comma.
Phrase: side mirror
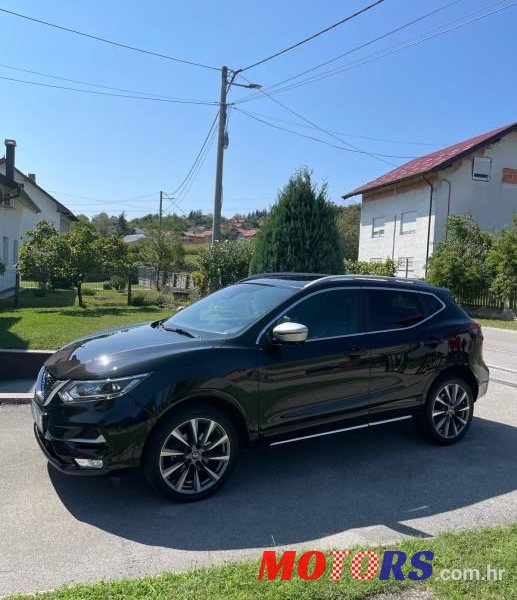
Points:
[[290, 333]]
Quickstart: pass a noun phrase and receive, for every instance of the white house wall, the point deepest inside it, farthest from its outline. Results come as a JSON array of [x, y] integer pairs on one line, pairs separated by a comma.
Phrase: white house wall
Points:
[[492, 202], [395, 244]]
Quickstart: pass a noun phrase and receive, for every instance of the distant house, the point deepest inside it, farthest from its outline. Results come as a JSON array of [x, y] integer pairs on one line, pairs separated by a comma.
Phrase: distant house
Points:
[[404, 212], [246, 234], [195, 236], [134, 238], [22, 204]]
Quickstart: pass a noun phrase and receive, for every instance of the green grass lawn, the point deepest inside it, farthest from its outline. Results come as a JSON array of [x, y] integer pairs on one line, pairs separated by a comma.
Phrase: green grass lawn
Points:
[[499, 323], [238, 581], [50, 321]]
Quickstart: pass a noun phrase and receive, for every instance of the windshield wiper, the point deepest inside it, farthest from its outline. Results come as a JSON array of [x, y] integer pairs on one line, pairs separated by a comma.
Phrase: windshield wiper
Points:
[[178, 330]]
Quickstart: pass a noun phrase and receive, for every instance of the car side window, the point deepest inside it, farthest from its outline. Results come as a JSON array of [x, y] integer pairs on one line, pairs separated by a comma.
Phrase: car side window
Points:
[[393, 309], [328, 314]]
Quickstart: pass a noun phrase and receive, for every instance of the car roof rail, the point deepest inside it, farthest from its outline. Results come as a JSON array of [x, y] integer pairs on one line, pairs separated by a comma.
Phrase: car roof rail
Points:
[[356, 277], [284, 275]]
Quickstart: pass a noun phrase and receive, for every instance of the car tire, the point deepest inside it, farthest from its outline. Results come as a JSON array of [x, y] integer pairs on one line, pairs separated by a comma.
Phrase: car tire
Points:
[[191, 453], [448, 411]]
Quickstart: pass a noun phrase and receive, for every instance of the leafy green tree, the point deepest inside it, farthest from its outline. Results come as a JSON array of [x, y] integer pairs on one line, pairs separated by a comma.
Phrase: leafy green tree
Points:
[[387, 268], [39, 257], [348, 222], [77, 255], [222, 264], [459, 262], [301, 233], [164, 252], [122, 227], [502, 258], [104, 224], [119, 259]]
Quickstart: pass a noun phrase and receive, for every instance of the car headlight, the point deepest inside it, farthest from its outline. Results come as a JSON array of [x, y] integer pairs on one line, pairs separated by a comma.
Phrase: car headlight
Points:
[[102, 389]]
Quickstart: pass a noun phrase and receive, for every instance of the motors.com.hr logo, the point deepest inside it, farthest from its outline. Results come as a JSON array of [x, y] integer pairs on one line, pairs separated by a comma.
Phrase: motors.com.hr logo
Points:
[[364, 565]]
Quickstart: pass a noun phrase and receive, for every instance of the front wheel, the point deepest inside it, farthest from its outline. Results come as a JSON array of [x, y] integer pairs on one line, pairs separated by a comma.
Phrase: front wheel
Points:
[[191, 453], [448, 411]]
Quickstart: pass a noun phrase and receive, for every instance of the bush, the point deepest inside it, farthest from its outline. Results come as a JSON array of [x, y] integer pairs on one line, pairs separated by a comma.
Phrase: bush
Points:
[[119, 283], [88, 292], [459, 263], [138, 299], [386, 268], [222, 264], [107, 285]]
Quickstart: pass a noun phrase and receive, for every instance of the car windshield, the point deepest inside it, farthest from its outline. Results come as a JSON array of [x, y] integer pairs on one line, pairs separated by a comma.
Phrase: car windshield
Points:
[[230, 310]]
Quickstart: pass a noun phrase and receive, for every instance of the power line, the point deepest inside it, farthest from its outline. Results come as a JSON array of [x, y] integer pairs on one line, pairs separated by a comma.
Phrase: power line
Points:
[[200, 164], [196, 160], [103, 199], [313, 36], [360, 47], [98, 85], [329, 133], [310, 137], [106, 41], [389, 50], [110, 94], [346, 134]]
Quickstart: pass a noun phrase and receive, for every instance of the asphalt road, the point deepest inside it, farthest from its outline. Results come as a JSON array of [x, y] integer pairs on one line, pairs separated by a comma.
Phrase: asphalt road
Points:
[[364, 487]]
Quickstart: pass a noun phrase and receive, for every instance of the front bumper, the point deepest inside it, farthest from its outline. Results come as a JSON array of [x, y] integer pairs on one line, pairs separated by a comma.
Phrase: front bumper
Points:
[[113, 432], [62, 463]]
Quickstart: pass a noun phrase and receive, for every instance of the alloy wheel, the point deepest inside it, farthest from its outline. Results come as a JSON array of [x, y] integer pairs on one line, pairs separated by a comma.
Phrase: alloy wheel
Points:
[[195, 456], [451, 410]]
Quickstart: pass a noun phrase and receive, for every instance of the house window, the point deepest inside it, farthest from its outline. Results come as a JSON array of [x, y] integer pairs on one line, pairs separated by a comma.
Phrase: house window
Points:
[[481, 168], [408, 222], [406, 266], [5, 250], [378, 227]]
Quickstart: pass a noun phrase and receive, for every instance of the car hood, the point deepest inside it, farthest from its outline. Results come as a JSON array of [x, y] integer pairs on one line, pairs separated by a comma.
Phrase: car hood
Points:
[[119, 352]]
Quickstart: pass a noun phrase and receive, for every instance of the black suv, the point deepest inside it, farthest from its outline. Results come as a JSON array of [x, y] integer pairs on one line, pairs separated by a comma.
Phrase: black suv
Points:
[[275, 358]]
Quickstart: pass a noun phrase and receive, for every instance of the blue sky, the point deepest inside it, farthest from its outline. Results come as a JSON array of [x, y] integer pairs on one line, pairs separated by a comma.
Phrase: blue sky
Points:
[[112, 150]]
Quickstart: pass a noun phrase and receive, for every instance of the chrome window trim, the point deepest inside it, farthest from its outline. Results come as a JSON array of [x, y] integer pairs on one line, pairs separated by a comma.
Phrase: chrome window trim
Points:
[[366, 288]]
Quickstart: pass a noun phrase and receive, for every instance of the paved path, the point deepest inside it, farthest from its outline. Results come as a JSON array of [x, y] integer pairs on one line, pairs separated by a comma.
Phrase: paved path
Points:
[[358, 488]]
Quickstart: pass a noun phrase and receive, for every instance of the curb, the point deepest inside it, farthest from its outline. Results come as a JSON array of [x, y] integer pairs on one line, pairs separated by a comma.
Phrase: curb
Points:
[[15, 399]]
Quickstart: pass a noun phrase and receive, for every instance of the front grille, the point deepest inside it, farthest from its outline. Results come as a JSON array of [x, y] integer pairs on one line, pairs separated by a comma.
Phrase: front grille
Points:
[[44, 385]]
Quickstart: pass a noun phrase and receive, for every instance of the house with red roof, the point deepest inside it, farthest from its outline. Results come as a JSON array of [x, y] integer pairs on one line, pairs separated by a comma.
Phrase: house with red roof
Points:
[[23, 203], [404, 212]]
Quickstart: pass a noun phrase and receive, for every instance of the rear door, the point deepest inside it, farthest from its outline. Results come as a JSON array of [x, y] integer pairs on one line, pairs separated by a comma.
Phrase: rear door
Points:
[[403, 346], [325, 378]]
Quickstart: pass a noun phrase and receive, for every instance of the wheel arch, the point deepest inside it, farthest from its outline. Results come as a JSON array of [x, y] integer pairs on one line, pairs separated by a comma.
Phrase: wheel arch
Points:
[[222, 403], [461, 371]]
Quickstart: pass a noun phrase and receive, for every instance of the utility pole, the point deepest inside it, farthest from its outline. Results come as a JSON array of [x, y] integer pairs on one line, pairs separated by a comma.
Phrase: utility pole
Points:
[[161, 209], [218, 195]]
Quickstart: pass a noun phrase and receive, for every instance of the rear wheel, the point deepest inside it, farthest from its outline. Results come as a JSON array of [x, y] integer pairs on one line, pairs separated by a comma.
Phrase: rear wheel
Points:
[[191, 453], [448, 411]]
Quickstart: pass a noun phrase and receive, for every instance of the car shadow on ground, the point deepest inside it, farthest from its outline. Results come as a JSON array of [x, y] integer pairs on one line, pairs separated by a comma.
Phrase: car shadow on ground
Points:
[[304, 491]]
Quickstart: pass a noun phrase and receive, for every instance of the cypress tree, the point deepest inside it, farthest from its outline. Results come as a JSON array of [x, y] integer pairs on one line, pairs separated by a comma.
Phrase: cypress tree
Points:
[[301, 233]]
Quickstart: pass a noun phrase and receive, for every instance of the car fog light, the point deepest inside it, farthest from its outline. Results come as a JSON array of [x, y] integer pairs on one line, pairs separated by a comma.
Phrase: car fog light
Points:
[[89, 462]]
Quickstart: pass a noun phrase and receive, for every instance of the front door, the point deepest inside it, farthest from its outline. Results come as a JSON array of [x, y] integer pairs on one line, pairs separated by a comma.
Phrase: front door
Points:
[[324, 379]]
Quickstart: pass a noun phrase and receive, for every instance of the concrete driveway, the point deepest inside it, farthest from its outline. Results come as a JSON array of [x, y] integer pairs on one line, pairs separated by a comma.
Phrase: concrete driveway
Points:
[[362, 487]]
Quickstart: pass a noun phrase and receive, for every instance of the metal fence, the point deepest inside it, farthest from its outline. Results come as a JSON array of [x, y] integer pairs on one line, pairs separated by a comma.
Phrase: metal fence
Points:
[[8, 281], [488, 300], [171, 283]]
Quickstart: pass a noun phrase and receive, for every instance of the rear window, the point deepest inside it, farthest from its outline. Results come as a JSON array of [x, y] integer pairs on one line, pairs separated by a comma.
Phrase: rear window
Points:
[[394, 309]]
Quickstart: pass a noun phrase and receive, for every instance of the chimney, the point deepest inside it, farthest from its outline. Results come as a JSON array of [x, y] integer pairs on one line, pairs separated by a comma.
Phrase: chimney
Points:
[[32, 177], [10, 145]]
